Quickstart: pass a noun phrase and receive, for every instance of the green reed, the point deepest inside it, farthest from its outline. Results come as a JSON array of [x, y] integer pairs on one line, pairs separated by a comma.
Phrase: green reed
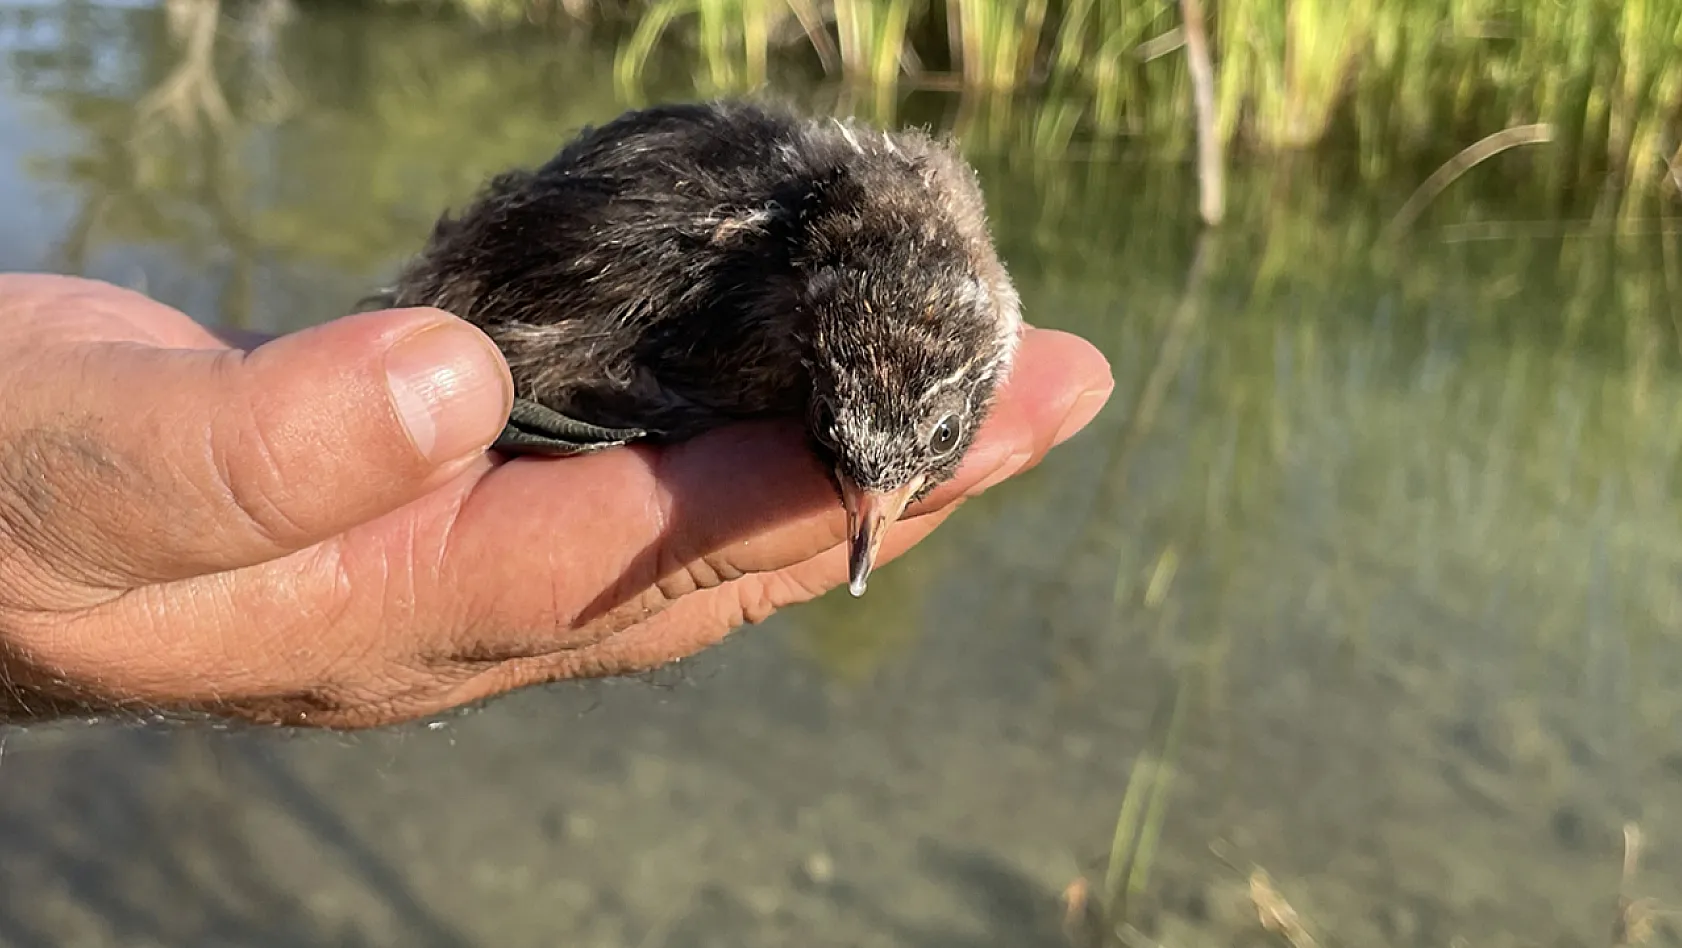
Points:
[[1403, 82], [872, 36]]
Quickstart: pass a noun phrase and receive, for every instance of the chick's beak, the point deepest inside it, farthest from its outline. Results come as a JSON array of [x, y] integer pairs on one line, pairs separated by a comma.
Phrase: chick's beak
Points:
[[869, 514]]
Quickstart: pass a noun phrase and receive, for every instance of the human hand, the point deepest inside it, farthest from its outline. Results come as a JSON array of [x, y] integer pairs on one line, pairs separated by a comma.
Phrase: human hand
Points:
[[193, 528]]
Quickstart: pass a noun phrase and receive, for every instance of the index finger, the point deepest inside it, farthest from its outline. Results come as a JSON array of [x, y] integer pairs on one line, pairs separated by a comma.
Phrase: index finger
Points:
[[1030, 415], [556, 545]]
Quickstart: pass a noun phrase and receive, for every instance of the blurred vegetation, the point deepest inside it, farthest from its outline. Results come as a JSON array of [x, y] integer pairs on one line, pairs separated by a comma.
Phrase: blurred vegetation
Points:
[[1402, 83]]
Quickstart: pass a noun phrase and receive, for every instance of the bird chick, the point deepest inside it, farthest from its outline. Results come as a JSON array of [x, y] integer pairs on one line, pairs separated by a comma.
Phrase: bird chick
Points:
[[686, 266]]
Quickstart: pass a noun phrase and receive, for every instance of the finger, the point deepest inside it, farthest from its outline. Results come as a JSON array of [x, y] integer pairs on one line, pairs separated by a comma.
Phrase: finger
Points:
[[1034, 415], [481, 584], [123, 464], [696, 622], [691, 625], [747, 499]]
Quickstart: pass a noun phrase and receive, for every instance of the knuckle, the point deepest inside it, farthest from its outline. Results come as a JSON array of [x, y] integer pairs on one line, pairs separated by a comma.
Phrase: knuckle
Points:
[[756, 603], [762, 595], [679, 572], [680, 576]]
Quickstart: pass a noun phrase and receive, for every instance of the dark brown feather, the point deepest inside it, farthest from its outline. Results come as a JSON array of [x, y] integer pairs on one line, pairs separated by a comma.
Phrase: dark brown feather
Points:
[[687, 265]]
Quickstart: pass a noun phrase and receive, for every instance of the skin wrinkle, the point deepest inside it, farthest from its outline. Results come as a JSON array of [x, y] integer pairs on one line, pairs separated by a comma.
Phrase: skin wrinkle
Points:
[[630, 590], [466, 644], [14, 558], [472, 659], [29, 669], [51, 523], [402, 577], [398, 611], [335, 696], [479, 643], [451, 524], [669, 576], [292, 708], [331, 614], [327, 559], [762, 599], [152, 613], [151, 633], [249, 495], [677, 572], [142, 488], [212, 494], [24, 584]]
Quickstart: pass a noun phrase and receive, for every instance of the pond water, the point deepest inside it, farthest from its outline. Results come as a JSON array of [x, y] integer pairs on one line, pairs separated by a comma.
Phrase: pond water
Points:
[[1367, 577]]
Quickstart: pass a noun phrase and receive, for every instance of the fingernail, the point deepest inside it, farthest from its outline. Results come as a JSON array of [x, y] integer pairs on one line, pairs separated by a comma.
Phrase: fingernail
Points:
[[1081, 413], [450, 387], [1004, 471]]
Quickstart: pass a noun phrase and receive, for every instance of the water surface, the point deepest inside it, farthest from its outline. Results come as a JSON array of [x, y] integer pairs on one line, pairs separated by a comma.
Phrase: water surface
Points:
[[1377, 545]]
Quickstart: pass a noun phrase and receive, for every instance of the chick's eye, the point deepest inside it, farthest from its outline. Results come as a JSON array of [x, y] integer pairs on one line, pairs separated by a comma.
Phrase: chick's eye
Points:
[[822, 423], [945, 435]]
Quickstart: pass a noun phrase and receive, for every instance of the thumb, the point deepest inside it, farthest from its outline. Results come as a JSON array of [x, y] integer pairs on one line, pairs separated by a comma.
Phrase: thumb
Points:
[[122, 464]]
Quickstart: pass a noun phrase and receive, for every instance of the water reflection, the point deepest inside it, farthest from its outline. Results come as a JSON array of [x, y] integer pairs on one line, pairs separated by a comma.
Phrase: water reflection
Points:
[[1368, 577]]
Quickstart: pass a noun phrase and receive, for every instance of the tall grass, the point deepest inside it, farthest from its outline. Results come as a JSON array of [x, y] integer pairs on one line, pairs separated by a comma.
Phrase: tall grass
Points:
[[1399, 81]]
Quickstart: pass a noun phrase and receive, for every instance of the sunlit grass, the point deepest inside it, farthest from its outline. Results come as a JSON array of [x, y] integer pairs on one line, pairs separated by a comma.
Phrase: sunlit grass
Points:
[[1404, 83]]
